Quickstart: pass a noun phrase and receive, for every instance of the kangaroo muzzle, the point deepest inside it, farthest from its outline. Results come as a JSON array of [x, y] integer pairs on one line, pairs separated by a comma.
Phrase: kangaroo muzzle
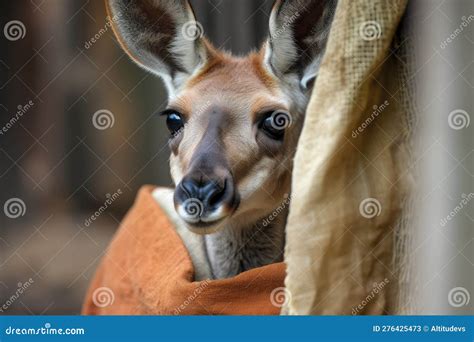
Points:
[[207, 193], [204, 200]]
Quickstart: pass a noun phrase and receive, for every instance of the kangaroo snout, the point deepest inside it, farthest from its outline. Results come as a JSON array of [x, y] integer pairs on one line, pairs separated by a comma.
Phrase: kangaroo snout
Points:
[[204, 200]]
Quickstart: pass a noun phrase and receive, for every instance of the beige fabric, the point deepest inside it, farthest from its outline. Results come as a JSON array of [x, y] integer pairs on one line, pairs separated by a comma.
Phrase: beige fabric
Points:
[[338, 260]]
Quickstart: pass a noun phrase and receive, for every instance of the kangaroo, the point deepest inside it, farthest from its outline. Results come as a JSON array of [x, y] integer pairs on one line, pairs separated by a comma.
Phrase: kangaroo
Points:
[[234, 124]]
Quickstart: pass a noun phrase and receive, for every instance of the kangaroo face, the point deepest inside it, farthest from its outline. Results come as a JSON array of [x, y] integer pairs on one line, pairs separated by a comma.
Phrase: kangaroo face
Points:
[[232, 142], [234, 121]]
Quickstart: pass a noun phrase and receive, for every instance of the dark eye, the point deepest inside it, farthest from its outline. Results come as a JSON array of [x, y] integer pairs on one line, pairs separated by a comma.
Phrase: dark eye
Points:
[[274, 124], [174, 121]]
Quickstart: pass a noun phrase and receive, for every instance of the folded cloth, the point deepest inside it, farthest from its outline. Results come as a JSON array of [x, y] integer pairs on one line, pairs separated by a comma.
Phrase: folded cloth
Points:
[[148, 271]]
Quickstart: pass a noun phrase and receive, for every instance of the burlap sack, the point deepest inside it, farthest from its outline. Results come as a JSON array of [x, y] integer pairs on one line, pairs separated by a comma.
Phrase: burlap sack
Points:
[[350, 181]]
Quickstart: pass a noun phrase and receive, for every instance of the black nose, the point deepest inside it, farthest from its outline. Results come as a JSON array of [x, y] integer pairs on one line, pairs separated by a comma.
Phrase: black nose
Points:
[[210, 193], [206, 199]]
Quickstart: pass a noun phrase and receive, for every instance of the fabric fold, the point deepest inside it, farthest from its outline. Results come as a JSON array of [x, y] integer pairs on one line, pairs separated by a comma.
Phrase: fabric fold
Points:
[[350, 177], [148, 271]]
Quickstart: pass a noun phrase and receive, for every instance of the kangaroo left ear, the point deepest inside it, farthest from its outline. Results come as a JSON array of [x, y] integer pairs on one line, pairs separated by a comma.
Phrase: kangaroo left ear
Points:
[[162, 36], [298, 33]]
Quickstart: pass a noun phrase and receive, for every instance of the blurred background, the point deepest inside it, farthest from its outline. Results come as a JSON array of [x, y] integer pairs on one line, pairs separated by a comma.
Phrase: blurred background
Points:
[[61, 67]]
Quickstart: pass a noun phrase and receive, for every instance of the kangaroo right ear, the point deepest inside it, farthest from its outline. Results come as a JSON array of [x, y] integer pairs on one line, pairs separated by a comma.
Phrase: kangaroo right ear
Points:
[[161, 36], [299, 30]]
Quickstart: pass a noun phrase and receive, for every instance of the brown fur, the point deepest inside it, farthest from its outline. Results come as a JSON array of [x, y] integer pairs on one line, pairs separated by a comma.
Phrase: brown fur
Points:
[[243, 88]]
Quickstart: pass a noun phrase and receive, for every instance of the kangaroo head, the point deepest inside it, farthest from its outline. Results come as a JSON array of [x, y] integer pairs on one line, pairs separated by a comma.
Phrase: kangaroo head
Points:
[[234, 121]]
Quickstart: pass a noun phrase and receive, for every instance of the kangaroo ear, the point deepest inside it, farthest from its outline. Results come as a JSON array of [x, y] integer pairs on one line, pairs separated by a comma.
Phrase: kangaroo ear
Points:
[[161, 36], [298, 33]]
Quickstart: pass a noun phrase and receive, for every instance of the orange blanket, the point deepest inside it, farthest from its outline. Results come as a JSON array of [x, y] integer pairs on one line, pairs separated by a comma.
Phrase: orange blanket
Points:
[[148, 271]]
